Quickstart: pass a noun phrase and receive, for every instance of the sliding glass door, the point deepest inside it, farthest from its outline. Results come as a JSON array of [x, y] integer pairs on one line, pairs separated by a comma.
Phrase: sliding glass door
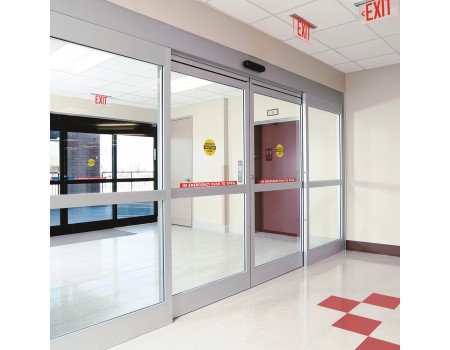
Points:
[[276, 182]]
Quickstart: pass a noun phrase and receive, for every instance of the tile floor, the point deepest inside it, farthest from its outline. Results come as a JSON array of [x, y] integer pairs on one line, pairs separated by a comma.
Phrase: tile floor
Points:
[[96, 276], [348, 301]]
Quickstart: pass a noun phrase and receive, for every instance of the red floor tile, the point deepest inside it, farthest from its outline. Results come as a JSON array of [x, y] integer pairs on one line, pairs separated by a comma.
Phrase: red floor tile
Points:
[[377, 344], [340, 304], [382, 300], [357, 324]]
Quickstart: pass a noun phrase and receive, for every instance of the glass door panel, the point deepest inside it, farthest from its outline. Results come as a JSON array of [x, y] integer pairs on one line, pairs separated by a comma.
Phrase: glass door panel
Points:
[[277, 234], [106, 247], [209, 196]]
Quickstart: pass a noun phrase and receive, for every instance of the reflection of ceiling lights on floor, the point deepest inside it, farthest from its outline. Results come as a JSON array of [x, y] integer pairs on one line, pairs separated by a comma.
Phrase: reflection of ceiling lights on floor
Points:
[[188, 83], [75, 59]]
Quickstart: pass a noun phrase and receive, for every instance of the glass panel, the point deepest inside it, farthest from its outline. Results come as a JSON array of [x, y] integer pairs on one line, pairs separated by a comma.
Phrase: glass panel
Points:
[[135, 160], [88, 214], [276, 140], [277, 225], [55, 217], [207, 132], [324, 215], [99, 275], [54, 155], [130, 210], [90, 82], [212, 248], [135, 186], [324, 147]]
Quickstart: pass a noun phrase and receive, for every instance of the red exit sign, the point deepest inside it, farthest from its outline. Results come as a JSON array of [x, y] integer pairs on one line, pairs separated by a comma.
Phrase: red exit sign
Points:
[[302, 28], [377, 9], [100, 99]]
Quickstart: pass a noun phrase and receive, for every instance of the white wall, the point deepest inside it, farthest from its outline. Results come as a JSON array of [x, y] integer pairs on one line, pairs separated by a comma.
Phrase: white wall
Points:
[[84, 107], [197, 18], [372, 109]]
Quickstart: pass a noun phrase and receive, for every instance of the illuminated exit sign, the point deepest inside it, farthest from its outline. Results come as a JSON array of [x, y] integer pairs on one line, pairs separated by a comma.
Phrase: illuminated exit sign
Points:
[[100, 99], [377, 9], [302, 28]]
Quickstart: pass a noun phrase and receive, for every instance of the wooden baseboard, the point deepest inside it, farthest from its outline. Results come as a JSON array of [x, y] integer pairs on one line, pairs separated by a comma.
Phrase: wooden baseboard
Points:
[[376, 248]]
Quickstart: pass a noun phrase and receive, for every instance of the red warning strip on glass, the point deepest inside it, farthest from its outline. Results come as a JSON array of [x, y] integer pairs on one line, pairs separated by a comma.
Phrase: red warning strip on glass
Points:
[[207, 184], [276, 181]]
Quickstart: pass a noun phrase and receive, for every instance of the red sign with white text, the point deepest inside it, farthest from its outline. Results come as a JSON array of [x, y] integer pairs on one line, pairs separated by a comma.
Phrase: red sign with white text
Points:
[[276, 181], [207, 184], [378, 9]]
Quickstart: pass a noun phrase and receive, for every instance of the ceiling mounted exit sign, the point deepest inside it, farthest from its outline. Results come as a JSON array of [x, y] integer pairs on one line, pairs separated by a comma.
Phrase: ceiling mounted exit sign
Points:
[[372, 10], [302, 28]]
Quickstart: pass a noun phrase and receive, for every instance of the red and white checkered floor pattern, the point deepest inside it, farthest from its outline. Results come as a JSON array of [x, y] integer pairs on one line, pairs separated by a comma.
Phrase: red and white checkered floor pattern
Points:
[[366, 317]]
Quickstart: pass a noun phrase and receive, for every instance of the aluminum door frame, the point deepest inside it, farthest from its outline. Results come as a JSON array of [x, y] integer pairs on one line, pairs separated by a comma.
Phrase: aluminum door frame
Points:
[[209, 293], [293, 261], [324, 251], [120, 329]]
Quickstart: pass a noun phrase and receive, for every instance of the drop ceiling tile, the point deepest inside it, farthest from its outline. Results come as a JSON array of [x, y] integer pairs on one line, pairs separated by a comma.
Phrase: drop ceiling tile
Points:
[[350, 6], [218, 88], [148, 93], [88, 82], [380, 61], [136, 80], [330, 57], [178, 98], [196, 93], [105, 92], [153, 104], [322, 13], [345, 34], [126, 89], [386, 26], [239, 9], [124, 64], [104, 74], [56, 77], [71, 87], [309, 48], [348, 67], [366, 49], [275, 27], [133, 98], [394, 41], [279, 5], [57, 92]]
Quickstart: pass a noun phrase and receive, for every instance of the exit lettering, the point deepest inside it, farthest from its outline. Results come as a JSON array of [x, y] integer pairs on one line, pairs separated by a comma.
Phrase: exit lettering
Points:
[[376, 9], [303, 30], [100, 100]]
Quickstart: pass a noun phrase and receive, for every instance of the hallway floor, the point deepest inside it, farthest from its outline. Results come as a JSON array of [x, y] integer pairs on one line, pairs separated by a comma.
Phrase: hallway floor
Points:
[[348, 301]]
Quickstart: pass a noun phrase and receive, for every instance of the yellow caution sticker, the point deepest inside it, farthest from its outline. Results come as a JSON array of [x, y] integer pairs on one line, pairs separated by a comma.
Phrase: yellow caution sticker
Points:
[[209, 147], [91, 162], [279, 150]]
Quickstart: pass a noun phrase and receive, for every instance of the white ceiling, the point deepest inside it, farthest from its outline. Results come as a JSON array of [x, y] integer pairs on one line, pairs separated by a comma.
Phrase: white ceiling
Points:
[[341, 39], [126, 81]]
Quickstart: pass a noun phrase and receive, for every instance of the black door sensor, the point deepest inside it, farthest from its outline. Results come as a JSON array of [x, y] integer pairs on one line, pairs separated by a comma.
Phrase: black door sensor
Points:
[[254, 66]]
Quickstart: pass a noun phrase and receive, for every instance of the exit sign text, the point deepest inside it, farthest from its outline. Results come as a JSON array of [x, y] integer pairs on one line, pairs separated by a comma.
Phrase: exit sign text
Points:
[[374, 10], [100, 99]]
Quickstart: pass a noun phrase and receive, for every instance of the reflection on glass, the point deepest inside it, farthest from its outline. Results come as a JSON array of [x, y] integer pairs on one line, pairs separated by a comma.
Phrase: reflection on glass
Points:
[[277, 225], [276, 140], [96, 276], [130, 210], [87, 214], [212, 248], [135, 157], [324, 147], [54, 217], [207, 131], [324, 215]]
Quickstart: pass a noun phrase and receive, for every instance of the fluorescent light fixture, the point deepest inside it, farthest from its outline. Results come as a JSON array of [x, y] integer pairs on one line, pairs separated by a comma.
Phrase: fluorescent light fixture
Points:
[[75, 59], [188, 83]]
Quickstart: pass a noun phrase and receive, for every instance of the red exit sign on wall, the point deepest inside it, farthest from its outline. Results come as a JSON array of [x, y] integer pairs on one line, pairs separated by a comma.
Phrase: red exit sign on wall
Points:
[[377, 9]]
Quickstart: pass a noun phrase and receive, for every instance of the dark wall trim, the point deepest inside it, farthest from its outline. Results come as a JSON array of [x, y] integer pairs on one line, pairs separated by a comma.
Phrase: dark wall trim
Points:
[[376, 248]]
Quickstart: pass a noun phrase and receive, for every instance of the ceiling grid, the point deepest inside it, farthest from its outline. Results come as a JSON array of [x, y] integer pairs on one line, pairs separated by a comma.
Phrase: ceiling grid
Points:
[[341, 40]]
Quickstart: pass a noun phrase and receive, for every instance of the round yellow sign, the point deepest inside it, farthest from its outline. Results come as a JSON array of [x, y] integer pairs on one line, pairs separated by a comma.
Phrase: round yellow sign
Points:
[[91, 162], [209, 147], [279, 150]]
